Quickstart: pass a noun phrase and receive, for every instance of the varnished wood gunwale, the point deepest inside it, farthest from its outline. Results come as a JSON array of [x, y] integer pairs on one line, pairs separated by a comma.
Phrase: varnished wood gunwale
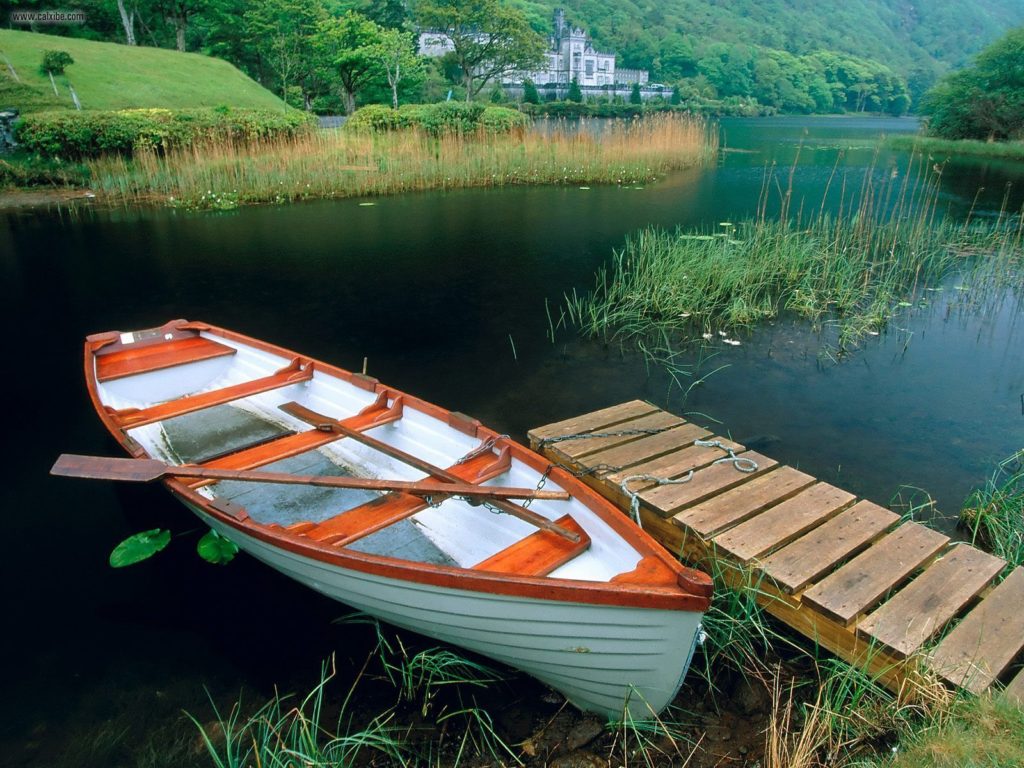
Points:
[[690, 590]]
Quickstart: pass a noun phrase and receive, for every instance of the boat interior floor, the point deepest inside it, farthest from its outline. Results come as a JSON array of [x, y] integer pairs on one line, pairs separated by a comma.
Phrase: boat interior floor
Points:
[[196, 438]]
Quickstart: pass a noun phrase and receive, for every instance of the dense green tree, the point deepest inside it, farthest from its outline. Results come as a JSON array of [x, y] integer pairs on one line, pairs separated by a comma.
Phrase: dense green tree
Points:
[[489, 39], [634, 94], [985, 100], [282, 32], [530, 95], [179, 13], [574, 94], [396, 52], [349, 49]]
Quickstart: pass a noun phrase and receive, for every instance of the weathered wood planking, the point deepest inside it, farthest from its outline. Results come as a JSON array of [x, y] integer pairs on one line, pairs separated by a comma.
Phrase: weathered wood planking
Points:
[[985, 643], [840, 571], [865, 580], [795, 566], [921, 609]]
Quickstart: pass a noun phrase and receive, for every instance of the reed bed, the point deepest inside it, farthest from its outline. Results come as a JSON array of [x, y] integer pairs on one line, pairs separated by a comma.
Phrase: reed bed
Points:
[[884, 246], [1011, 150], [323, 164]]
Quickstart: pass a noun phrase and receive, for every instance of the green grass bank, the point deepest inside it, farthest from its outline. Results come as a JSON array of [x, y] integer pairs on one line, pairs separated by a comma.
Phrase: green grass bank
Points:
[[113, 76], [941, 149]]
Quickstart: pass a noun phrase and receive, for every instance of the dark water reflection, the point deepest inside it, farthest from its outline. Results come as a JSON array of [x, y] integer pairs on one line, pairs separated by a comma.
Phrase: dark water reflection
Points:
[[445, 295]]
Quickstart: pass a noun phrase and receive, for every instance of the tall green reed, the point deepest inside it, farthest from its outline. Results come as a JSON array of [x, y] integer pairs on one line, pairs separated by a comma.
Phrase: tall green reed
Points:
[[855, 264]]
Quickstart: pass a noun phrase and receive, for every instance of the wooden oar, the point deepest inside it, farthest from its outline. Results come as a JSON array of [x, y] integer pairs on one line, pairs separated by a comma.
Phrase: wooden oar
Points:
[[325, 422], [146, 470]]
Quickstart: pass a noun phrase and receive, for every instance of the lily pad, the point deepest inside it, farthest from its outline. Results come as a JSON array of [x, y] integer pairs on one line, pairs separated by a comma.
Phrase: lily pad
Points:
[[139, 547], [214, 548]]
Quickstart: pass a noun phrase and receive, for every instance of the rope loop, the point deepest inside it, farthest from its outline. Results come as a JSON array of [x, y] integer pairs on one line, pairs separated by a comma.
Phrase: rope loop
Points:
[[740, 463]]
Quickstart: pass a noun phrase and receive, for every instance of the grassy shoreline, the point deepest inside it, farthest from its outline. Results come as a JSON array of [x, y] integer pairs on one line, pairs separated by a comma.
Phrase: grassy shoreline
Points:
[[339, 164], [1010, 150]]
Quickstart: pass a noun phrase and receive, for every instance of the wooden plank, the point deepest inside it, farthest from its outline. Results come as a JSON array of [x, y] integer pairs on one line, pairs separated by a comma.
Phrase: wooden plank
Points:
[[574, 450], [673, 464], [862, 582], [539, 553], [918, 611], [129, 419], [383, 511], [786, 521], [667, 500], [798, 564], [154, 357], [589, 422], [1015, 690], [733, 507], [647, 448], [293, 445], [987, 641]]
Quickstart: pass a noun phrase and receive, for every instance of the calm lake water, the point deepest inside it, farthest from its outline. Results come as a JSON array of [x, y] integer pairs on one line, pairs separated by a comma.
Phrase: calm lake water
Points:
[[445, 294]]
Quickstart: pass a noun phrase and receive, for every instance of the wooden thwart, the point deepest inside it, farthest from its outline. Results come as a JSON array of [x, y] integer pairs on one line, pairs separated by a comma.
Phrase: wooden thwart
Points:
[[537, 554], [130, 360], [295, 373]]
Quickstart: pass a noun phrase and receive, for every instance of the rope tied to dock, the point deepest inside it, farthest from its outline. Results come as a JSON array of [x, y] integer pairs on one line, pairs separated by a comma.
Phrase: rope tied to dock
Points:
[[740, 463], [634, 496]]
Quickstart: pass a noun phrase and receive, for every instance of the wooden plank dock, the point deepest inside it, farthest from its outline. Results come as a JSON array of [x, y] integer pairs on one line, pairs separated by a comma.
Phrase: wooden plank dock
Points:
[[891, 596]]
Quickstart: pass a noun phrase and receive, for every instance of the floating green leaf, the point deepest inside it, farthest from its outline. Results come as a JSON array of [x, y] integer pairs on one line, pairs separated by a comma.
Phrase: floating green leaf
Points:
[[214, 548], [139, 547]]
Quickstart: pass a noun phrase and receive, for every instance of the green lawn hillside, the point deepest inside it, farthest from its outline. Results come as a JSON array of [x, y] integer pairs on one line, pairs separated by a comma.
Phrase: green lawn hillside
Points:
[[112, 76]]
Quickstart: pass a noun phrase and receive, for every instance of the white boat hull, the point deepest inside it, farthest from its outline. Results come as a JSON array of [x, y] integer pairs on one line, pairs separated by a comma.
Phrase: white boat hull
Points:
[[602, 658]]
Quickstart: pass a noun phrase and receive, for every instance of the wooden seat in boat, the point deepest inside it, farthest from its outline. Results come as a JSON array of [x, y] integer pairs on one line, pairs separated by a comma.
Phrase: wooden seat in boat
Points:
[[539, 553], [298, 371], [143, 358], [374, 415], [371, 517]]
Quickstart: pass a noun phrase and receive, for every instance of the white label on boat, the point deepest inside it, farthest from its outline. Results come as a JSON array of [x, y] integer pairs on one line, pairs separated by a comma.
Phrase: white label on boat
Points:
[[127, 338]]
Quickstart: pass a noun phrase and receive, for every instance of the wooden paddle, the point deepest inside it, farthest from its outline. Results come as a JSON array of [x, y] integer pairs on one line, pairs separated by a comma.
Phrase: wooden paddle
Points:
[[325, 422], [146, 470]]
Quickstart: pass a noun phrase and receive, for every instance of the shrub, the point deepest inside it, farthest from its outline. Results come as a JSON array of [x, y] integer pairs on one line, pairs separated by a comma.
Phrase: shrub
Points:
[[373, 117], [54, 62], [530, 95], [575, 94], [436, 119], [502, 120], [126, 131], [634, 94]]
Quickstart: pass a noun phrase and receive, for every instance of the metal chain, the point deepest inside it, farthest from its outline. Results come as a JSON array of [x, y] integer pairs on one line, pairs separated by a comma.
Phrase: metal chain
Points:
[[586, 435]]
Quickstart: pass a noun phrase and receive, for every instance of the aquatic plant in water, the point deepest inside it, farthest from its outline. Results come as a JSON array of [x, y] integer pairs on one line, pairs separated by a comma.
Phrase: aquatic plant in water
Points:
[[857, 267]]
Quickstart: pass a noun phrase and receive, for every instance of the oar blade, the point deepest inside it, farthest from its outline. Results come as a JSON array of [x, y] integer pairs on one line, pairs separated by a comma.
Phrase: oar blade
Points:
[[106, 468]]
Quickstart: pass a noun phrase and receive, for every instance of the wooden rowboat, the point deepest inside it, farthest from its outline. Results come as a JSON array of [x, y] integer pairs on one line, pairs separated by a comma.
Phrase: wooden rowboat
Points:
[[569, 591]]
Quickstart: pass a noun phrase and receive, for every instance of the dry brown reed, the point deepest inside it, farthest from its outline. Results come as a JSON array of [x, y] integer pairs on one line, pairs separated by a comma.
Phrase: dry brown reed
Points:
[[339, 164]]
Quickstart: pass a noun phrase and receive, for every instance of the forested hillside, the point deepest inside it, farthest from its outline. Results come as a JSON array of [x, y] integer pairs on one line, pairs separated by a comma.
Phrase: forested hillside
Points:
[[918, 41], [749, 56]]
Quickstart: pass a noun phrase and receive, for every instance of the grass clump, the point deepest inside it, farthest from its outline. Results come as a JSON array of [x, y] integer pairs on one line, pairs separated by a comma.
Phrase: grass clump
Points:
[[994, 514], [984, 732], [1011, 150], [322, 164], [856, 267]]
